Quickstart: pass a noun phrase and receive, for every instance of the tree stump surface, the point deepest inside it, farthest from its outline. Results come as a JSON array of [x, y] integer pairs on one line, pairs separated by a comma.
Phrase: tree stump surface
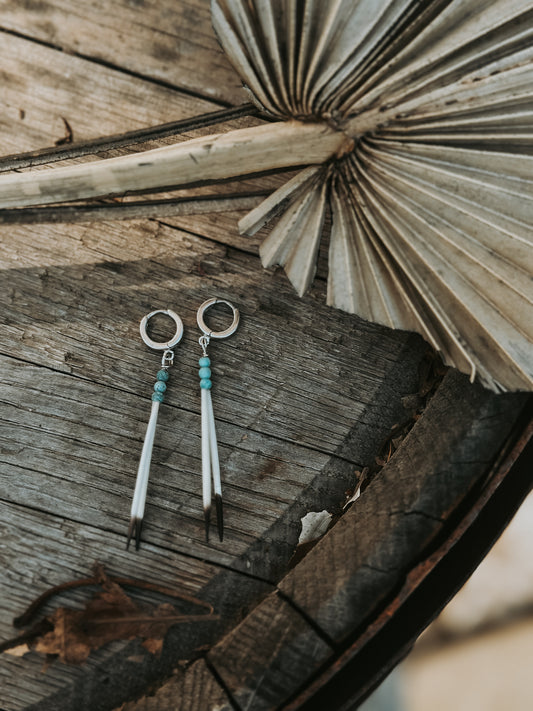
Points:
[[304, 398]]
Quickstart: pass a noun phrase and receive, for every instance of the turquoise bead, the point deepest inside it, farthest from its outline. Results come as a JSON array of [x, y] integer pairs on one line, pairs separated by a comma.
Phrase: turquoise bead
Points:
[[204, 361], [204, 372], [157, 396], [163, 375], [206, 384], [160, 386]]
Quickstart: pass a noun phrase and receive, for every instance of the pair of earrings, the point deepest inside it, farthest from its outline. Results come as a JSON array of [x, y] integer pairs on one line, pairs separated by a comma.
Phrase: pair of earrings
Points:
[[210, 461]]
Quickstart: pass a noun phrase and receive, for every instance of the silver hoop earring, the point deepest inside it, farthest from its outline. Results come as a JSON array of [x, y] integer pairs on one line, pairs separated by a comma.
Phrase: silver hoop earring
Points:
[[210, 461], [160, 386]]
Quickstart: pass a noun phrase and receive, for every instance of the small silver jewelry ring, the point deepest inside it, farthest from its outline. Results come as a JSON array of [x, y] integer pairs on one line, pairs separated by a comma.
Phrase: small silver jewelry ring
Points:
[[217, 334], [176, 338]]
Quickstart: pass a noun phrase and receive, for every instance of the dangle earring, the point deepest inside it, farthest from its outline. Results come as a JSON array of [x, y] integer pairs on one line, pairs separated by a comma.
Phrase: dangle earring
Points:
[[141, 484], [210, 462]]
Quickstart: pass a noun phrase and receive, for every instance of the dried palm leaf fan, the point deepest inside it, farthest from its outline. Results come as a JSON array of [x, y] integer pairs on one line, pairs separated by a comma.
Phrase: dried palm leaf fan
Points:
[[414, 121]]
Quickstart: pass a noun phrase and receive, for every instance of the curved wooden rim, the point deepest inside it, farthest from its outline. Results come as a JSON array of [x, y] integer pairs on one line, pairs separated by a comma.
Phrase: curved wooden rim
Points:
[[329, 633], [432, 582]]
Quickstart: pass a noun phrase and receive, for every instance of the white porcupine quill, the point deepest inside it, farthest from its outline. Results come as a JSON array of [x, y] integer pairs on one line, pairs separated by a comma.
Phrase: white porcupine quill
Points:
[[417, 118], [210, 461], [143, 474], [210, 464], [143, 471]]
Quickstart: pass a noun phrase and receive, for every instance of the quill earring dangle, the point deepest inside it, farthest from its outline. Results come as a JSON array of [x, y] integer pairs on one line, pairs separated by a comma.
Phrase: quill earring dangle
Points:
[[160, 385], [210, 462]]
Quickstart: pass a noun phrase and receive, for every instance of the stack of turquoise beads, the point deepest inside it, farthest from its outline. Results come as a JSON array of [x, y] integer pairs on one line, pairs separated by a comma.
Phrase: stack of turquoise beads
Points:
[[205, 373], [160, 385]]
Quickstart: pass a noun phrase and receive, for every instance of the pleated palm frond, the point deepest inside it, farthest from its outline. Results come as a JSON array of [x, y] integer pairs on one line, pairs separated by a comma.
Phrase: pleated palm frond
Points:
[[432, 209], [412, 121]]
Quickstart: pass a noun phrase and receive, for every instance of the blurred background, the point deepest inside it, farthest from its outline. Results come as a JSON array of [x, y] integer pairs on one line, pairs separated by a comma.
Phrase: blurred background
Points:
[[478, 654]]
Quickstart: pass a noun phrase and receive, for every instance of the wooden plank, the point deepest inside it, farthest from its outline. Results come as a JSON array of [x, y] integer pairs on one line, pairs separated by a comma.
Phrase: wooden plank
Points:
[[343, 580], [76, 391], [171, 42], [41, 87], [72, 448], [99, 282], [257, 408], [195, 689], [262, 675]]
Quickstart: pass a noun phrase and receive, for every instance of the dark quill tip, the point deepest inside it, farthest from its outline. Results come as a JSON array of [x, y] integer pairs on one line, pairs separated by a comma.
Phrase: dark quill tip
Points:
[[207, 520], [134, 531], [220, 516]]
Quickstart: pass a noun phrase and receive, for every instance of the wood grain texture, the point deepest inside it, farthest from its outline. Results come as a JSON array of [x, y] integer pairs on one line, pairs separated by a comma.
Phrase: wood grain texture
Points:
[[41, 87], [76, 380], [271, 653], [74, 422], [166, 41], [404, 509], [304, 395], [196, 689], [248, 408]]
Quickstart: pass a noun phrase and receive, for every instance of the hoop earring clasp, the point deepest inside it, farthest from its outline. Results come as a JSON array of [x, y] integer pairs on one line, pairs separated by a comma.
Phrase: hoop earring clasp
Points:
[[217, 334], [176, 338]]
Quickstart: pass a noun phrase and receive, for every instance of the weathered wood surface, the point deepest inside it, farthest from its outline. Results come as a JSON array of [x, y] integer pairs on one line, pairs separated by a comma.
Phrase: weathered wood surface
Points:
[[42, 86], [195, 690], [171, 43], [41, 549], [258, 675], [304, 395]]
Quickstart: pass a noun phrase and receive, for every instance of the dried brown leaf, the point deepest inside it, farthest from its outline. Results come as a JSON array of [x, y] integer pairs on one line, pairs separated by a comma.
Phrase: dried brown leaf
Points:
[[109, 615]]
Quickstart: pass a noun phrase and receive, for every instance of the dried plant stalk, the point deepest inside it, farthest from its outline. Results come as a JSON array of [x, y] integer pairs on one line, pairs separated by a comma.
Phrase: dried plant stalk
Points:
[[215, 157]]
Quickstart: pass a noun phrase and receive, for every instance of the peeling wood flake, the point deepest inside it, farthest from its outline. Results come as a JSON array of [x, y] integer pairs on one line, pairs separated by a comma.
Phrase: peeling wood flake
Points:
[[314, 525]]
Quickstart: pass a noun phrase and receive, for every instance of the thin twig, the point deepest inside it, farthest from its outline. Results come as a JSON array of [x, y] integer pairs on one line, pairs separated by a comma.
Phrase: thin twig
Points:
[[31, 611], [129, 210], [53, 154], [154, 587]]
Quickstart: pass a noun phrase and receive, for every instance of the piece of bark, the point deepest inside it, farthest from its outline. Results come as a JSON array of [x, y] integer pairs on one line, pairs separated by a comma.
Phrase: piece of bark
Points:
[[262, 675]]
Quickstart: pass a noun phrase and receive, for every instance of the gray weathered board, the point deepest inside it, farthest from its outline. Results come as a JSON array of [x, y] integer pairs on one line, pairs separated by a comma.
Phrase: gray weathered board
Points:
[[304, 395]]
